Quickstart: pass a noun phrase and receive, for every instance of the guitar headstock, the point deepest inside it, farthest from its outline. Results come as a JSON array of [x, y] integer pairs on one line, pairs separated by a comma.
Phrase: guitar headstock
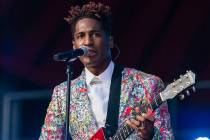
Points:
[[185, 81]]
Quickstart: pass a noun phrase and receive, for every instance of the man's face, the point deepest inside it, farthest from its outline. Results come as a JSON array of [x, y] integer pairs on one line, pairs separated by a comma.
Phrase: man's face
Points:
[[89, 32]]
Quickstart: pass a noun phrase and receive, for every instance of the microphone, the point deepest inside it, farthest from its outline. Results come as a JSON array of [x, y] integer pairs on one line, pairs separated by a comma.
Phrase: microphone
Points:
[[71, 55]]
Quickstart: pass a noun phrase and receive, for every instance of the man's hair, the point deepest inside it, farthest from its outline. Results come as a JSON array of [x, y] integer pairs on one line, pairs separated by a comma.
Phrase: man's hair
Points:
[[98, 11]]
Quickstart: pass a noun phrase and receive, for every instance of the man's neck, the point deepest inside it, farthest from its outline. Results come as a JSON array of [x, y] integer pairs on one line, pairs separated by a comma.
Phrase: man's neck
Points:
[[97, 70]]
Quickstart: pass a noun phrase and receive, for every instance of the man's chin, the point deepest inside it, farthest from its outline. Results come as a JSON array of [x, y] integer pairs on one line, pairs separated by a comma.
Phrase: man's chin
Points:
[[88, 62], [90, 65]]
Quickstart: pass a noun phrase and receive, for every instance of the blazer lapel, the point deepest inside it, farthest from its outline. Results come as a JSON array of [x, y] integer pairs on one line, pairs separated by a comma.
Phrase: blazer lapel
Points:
[[125, 98], [82, 118]]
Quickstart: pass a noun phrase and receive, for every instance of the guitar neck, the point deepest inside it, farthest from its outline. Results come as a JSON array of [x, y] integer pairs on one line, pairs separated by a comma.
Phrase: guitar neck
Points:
[[126, 130]]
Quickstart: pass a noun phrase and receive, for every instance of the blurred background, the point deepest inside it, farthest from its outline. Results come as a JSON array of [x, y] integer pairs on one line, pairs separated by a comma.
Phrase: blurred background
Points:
[[164, 37]]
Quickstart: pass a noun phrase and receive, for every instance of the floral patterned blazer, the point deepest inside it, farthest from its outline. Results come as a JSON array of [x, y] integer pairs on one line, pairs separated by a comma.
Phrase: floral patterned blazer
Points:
[[137, 89]]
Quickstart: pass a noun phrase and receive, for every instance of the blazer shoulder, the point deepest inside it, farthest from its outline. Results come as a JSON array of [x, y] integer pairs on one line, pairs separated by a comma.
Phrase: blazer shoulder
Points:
[[135, 72], [63, 85], [138, 75]]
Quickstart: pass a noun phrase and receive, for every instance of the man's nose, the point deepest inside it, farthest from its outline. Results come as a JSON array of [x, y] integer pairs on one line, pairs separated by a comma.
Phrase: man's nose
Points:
[[88, 41]]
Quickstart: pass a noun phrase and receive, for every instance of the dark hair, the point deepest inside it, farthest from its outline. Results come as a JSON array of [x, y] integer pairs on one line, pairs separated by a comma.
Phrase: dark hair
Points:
[[97, 11]]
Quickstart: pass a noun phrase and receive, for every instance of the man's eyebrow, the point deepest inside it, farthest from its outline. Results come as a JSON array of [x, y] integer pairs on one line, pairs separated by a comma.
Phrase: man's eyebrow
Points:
[[95, 30], [79, 33], [91, 31]]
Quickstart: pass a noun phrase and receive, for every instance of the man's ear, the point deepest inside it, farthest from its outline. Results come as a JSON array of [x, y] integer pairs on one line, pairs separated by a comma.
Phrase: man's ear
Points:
[[111, 42], [73, 43]]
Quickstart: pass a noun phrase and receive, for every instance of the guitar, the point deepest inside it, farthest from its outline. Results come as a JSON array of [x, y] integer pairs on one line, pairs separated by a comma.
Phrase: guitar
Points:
[[185, 81]]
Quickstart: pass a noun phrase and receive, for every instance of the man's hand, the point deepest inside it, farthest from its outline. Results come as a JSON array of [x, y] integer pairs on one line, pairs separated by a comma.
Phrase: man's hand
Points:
[[143, 124]]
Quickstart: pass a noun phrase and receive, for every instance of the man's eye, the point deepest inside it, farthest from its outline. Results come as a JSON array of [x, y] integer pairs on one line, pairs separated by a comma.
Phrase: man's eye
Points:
[[79, 36], [96, 34]]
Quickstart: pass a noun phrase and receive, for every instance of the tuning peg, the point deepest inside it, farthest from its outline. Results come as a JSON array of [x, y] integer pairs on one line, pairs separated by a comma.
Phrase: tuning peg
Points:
[[181, 87], [173, 84], [187, 83], [193, 88], [181, 97], [187, 92]]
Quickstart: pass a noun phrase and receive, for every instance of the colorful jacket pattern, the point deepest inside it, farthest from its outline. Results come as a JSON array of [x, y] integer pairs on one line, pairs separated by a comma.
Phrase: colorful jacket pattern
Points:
[[137, 89]]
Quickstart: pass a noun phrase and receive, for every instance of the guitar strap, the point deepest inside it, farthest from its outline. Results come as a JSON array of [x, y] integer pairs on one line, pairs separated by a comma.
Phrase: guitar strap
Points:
[[111, 125]]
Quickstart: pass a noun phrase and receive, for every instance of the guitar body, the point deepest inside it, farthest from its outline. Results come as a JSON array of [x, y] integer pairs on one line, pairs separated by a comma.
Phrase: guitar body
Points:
[[99, 135]]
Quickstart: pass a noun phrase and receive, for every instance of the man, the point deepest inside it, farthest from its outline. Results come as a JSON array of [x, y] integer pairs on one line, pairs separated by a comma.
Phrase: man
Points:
[[90, 92]]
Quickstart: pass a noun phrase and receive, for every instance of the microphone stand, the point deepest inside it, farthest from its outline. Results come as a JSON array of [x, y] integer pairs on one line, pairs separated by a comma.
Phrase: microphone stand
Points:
[[68, 98], [68, 58]]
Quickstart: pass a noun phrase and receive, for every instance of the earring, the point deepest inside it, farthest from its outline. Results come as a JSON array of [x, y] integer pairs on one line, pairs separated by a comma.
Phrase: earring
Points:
[[118, 51]]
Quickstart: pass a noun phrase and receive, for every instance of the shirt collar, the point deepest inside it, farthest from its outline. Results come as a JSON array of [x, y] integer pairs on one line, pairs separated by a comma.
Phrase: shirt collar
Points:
[[105, 76]]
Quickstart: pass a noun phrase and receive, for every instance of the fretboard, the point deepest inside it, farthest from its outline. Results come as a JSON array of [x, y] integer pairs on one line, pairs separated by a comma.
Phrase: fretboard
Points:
[[126, 130]]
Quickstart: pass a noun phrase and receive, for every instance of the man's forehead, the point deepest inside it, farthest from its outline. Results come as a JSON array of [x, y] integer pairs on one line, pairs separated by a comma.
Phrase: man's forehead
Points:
[[87, 25]]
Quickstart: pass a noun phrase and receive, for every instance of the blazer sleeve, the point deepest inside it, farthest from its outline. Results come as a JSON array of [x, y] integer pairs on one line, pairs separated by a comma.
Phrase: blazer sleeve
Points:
[[54, 120], [162, 124]]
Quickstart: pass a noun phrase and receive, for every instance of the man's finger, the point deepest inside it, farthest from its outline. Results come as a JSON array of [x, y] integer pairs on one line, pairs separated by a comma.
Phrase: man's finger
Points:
[[130, 123], [137, 109], [140, 118], [149, 117]]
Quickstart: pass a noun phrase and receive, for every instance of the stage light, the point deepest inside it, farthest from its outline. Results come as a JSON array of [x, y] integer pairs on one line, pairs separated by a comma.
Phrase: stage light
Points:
[[202, 138]]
